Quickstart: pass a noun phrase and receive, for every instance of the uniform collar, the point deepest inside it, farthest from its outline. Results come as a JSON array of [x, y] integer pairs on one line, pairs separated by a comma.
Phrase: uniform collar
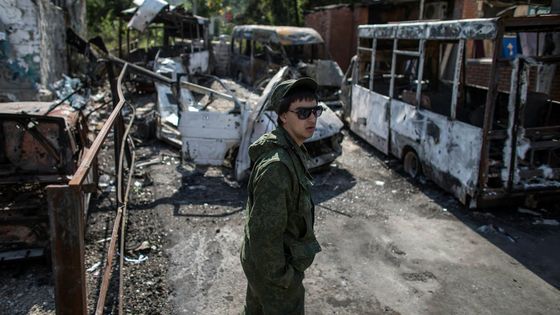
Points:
[[300, 151]]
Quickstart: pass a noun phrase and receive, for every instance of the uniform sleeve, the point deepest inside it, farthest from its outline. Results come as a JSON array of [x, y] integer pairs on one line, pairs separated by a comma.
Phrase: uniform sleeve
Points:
[[267, 223]]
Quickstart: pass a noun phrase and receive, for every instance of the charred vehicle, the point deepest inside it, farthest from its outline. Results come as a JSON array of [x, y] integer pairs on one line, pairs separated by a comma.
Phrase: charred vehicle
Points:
[[176, 44], [157, 28], [219, 127], [472, 104], [40, 145], [258, 52]]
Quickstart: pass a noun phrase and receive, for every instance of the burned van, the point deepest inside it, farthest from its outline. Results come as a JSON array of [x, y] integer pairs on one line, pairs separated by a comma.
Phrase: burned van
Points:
[[219, 127], [472, 104], [258, 52]]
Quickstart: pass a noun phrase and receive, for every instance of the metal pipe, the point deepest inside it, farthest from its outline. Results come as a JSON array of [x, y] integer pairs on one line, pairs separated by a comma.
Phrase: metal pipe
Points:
[[90, 155], [125, 204], [420, 73], [109, 265], [408, 53]]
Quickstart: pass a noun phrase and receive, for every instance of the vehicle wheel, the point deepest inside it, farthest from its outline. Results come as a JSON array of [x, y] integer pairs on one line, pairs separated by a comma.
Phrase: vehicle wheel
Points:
[[412, 164]]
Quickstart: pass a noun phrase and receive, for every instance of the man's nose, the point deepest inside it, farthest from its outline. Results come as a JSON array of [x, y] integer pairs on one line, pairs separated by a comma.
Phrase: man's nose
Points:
[[313, 117]]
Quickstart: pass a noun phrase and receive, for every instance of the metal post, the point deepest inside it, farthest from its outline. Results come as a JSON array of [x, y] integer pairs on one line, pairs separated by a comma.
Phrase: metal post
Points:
[[420, 73], [372, 63], [67, 245], [456, 78], [120, 37]]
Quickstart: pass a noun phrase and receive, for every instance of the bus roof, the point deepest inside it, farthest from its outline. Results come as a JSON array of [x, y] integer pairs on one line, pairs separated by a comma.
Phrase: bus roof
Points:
[[460, 29], [444, 30], [285, 35]]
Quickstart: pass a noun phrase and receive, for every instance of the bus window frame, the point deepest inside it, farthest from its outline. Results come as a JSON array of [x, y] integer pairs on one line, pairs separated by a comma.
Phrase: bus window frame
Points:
[[458, 70]]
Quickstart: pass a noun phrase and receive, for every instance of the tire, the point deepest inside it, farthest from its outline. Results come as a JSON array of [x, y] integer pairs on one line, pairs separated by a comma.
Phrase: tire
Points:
[[412, 165]]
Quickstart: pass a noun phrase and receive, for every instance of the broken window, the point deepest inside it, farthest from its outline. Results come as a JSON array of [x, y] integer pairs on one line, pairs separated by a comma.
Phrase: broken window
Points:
[[364, 61], [274, 51], [406, 71], [438, 77], [259, 51], [236, 43], [382, 66], [246, 47]]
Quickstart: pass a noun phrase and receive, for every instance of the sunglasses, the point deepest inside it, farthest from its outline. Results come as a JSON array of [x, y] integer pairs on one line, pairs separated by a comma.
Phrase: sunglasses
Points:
[[304, 113]]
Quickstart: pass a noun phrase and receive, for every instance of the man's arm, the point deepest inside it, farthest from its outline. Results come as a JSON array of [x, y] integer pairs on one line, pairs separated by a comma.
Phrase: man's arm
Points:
[[267, 223]]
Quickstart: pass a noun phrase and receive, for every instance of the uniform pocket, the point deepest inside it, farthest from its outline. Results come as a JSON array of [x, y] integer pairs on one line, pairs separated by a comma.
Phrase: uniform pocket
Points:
[[303, 253]]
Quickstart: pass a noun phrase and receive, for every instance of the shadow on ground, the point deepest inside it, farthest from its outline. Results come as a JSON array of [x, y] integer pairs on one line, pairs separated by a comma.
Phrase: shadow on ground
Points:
[[518, 234]]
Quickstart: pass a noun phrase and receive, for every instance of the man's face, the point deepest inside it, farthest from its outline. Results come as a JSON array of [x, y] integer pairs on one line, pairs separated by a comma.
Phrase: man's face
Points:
[[299, 129]]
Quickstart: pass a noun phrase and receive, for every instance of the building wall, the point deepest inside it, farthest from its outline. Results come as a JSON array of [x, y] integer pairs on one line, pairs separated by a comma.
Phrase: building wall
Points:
[[20, 60], [338, 26], [32, 44], [52, 31]]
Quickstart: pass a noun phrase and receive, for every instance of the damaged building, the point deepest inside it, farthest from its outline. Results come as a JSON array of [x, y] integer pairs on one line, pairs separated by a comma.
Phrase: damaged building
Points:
[[33, 53]]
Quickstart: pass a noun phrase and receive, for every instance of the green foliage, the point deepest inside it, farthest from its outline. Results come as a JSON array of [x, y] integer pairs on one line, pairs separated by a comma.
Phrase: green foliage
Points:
[[102, 13]]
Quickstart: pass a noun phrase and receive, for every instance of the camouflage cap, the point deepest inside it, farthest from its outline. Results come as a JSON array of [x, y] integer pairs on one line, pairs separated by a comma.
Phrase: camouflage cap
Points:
[[284, 87]]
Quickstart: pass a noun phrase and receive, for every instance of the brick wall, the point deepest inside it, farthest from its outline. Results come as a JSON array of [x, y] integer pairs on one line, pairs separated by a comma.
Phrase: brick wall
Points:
[[338, 29], [478, 73]]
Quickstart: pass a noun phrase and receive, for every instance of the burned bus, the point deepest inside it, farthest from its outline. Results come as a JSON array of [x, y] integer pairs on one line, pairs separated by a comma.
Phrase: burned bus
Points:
[[471, 104], [156, 28], [259, 51]]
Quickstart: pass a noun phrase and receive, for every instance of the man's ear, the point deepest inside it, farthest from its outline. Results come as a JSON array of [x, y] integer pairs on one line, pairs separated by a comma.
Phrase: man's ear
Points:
[[283, 117]]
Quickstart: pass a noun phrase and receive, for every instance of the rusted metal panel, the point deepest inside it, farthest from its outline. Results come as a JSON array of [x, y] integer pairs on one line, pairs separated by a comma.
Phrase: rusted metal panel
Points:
[[67, 243], [39, 145]]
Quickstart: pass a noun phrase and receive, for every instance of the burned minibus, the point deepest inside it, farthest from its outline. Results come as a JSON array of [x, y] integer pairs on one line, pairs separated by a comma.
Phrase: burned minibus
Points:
[[259, 51], [472, 104]]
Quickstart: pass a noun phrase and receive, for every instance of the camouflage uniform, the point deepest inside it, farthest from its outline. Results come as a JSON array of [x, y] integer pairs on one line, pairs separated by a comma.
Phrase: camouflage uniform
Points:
[[279, 241]]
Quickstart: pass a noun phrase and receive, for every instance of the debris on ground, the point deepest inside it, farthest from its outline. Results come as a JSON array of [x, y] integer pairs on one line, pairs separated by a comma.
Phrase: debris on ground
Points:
[[547, 222], [493, 229]]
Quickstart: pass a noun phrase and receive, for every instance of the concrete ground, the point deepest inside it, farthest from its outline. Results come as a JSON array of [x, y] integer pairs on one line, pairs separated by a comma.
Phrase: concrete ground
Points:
[[390, 246]]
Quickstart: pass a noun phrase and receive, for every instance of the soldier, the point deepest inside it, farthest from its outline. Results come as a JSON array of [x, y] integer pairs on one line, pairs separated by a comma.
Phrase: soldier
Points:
[[279, 243]]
